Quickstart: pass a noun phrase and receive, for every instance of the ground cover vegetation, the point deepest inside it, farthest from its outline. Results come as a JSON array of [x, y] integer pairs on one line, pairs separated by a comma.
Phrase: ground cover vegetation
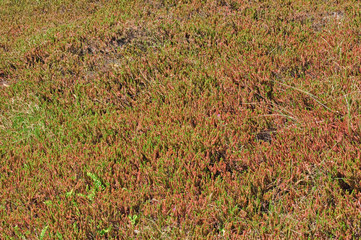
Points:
[[171, 119]]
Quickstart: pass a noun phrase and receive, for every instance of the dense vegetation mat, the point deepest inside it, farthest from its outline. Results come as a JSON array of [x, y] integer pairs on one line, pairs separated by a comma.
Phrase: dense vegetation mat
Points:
[[180, 119]]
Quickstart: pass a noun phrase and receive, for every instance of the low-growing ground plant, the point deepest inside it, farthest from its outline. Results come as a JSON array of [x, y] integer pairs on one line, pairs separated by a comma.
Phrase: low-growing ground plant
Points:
[[216, 119]]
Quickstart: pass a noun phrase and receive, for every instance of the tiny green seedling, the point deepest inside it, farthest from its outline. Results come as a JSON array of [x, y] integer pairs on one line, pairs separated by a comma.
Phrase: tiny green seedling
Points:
[[133, 219]]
